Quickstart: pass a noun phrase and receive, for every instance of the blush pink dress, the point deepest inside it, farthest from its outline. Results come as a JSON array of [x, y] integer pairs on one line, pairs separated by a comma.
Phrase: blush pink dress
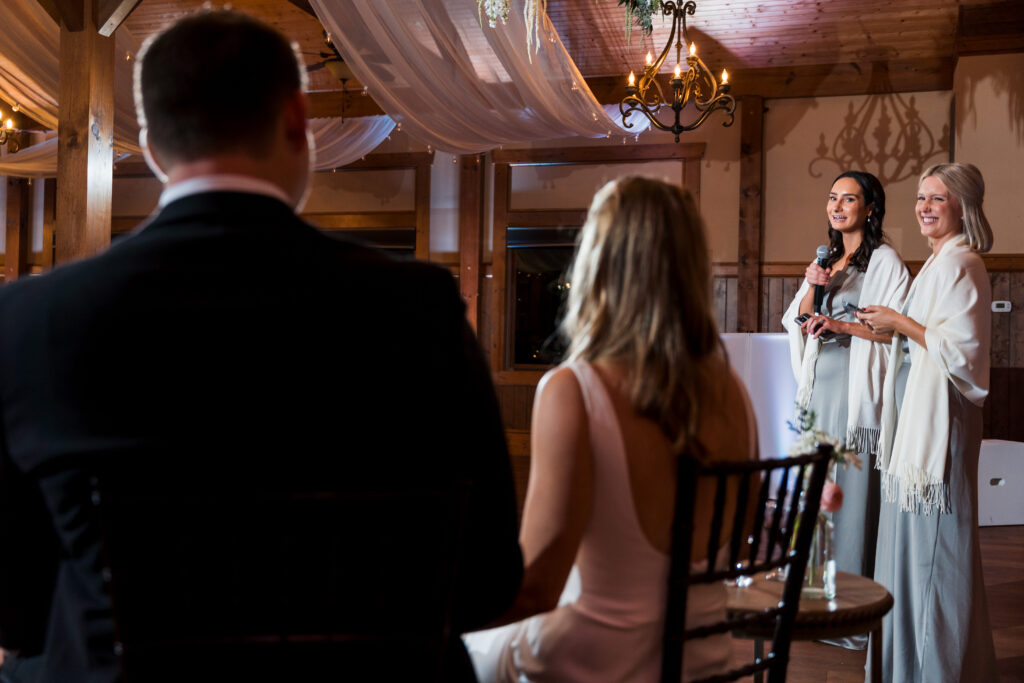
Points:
[[608, 625]]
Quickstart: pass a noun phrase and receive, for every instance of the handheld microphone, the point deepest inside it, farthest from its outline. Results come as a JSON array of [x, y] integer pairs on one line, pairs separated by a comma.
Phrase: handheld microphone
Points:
[[819, 290]]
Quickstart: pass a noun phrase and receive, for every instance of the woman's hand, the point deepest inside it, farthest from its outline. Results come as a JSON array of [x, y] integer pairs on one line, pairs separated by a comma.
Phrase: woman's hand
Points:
[[880, 319], [816, 275], [819, 324]]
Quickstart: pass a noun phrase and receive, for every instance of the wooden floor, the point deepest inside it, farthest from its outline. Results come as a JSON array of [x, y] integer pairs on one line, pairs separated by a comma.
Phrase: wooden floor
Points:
[[1002, 555]]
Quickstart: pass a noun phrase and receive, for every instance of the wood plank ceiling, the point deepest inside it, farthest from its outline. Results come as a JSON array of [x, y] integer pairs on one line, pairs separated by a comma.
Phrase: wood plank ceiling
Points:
[[772, 48]]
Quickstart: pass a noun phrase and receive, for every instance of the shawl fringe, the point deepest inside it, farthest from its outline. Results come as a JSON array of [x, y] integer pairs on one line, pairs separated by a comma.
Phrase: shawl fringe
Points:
[[863, 439], [915, 492]]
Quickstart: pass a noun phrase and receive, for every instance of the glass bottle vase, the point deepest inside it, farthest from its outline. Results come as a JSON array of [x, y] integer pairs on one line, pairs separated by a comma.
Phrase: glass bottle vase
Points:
[[820, 575]]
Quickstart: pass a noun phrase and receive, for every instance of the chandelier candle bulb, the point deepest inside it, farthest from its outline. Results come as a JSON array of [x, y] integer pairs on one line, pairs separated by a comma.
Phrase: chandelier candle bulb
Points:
[[632, 79], [678, 72], [725, 77], [693, 49], [650, 59]]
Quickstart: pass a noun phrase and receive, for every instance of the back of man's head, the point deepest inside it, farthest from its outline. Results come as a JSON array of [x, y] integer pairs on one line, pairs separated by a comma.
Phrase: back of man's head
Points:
[[214, 83]]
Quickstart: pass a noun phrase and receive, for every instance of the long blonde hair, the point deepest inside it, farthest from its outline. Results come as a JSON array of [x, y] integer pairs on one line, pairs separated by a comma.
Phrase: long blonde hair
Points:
[[964, 182], [641, 294]]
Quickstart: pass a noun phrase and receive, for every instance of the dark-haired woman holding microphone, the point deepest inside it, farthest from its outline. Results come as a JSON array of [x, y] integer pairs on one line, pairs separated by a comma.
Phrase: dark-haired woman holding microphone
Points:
[[840, 363]]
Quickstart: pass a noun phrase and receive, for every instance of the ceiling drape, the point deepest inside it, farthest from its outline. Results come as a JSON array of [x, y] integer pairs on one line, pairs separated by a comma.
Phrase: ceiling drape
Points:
[[461, 86], [341, 141], [30, 77], [30, 70], [454, 84]]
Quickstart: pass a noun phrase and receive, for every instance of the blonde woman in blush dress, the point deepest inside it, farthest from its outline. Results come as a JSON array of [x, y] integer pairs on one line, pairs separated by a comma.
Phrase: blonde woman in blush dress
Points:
[[928, 551], [646, 379]]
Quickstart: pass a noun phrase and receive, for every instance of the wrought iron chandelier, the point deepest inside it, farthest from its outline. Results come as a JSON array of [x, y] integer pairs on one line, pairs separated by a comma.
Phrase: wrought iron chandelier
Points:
[[696, 84]]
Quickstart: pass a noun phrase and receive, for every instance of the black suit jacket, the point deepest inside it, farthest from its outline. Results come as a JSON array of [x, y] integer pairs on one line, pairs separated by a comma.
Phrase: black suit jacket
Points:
[[228, 333]]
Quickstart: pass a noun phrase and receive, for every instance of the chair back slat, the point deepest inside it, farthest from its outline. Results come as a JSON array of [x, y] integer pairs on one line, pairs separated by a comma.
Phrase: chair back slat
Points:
[[759, 521], [714, 538], [778, 540], [739, 534]]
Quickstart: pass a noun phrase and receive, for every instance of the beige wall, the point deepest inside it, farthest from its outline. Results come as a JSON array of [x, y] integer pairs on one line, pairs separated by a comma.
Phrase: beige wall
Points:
[[719, 175], [809, 141], [989, 132]]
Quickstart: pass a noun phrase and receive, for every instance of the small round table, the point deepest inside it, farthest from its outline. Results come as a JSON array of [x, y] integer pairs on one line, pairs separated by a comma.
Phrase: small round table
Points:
[[859, 606]]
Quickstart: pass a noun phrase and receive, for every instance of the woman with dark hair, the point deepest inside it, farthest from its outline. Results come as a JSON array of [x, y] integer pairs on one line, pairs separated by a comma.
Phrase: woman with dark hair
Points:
[[839, 363], [928, 550], [646, 380]]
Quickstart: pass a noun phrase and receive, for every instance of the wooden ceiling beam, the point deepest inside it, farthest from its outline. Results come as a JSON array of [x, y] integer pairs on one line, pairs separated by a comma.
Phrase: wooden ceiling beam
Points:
[[851, 78], [67, 13], [326, 103], [51, 8], [990, 29], [304, 6], [107, 15]]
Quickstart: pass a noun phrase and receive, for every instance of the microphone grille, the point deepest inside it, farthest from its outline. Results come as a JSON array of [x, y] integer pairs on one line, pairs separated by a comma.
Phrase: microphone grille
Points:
[[822, 252]]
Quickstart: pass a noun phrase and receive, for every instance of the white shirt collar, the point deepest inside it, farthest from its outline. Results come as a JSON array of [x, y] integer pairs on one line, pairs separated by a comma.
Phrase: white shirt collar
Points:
[[220, 183]]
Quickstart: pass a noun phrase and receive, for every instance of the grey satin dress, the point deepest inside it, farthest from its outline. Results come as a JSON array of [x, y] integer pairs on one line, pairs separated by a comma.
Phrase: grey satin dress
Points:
[[856, 523], [938, 629]]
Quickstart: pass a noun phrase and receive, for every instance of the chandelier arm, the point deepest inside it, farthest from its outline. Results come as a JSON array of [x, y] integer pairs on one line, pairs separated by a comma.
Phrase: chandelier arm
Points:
[[651, 71], [723, 101]]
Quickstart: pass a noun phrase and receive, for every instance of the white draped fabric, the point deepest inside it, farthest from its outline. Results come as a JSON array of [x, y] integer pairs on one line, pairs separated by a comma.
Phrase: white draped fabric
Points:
[[30, 76], [456, 85], [339, 142], [459, 86], [37, 161], [30, 70]]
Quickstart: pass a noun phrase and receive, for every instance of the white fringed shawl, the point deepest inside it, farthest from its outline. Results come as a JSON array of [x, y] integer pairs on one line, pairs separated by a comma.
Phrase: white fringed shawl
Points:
[[886, 283], [952, 299]]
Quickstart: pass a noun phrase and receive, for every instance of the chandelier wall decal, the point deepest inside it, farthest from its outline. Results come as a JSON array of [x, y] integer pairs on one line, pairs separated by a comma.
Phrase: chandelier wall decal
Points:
[[884, 134], [695, 84]]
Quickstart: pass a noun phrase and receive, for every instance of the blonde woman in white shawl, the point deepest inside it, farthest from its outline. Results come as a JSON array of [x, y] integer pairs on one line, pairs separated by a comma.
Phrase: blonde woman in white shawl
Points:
[[839, 363], [928, 554]]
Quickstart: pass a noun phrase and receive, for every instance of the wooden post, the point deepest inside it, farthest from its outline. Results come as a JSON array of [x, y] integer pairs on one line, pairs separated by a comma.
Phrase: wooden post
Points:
[[85, 137], [423, 209], [471, 182], [19, 236], [49, 221], [748, 270]]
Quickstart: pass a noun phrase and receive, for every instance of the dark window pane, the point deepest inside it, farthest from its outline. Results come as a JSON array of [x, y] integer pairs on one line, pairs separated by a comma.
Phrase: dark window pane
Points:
[[539, 290]]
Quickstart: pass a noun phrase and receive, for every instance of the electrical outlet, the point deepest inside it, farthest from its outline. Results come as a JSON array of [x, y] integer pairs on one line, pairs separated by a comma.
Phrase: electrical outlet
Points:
[[1001, 306]]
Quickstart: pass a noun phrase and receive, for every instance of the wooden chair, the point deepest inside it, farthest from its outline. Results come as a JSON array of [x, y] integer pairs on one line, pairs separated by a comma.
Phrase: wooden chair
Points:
[[752, 547], [258, 585]]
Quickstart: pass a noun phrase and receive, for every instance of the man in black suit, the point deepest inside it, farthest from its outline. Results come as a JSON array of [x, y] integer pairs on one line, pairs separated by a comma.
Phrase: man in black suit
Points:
[[228, 343]]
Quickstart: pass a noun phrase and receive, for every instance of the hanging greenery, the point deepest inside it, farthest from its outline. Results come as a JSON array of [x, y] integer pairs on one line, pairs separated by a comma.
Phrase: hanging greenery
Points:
[[640, 12], [533, 15], [495, 10]]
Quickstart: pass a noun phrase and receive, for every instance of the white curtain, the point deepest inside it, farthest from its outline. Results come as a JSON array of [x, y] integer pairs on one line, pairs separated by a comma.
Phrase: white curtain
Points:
[[37, 161], [339, 142], [30, 77], [459, 86], [30, 70]]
